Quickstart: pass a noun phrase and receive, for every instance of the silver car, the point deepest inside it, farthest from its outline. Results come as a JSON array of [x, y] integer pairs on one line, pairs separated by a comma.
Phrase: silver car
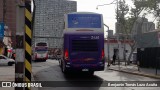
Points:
[[6, 61]]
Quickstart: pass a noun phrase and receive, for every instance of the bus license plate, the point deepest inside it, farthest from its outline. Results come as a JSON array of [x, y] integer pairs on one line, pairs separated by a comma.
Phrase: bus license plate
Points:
[[85, 70]]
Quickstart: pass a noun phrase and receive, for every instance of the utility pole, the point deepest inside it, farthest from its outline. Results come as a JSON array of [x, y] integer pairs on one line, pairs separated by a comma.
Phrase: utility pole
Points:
[[108, 28], [28, 41], [124, 52], [118, 33], [108, 44], [19, 64]]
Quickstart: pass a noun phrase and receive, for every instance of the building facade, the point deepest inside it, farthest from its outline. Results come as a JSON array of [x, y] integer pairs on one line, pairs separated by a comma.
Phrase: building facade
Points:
[[122, 47], [8, 16], [142, 26], [49, 20]]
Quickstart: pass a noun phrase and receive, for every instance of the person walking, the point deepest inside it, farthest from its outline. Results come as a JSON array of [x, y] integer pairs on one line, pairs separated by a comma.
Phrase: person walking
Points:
[[114, 59]]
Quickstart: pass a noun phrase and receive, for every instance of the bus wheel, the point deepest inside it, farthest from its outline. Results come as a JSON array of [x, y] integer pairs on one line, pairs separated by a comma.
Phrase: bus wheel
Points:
[[90, 73], [10, 64]]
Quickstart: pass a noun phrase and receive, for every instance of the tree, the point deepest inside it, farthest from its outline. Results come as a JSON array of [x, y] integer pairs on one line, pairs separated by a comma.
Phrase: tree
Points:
[[127, 20], [153, 6]]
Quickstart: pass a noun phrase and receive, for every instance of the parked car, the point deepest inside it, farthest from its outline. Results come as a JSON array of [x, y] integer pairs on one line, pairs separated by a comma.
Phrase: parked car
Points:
[[6, 61]]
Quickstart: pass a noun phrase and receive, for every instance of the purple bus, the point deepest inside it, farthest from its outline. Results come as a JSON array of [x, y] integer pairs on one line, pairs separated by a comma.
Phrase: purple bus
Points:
[[83, 43]]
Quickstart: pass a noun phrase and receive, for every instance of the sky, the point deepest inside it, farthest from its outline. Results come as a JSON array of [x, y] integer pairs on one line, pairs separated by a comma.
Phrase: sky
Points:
[[108, 11]]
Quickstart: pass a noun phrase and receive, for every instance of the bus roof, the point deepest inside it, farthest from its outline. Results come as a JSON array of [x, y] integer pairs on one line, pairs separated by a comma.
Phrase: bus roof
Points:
[[83, 13]]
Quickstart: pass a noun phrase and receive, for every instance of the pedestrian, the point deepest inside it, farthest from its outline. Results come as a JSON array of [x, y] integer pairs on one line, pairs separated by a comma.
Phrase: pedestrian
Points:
[[114, 59]]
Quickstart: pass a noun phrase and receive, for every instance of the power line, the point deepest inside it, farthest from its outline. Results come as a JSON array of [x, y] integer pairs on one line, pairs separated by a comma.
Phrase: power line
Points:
[[106, 4]]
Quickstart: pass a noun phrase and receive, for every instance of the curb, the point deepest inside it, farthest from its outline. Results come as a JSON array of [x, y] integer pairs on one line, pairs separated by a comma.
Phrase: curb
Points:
[[140, 74]]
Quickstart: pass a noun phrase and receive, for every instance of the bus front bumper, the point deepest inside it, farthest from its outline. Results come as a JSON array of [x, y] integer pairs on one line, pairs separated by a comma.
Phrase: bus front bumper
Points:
[[85, 67]]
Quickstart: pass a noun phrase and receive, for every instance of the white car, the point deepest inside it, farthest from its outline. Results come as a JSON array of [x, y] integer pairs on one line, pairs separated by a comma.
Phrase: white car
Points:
[[6, 61]]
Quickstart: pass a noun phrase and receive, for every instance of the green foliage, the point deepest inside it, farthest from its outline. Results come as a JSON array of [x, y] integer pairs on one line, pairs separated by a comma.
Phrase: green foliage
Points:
[[123, 10], [127, 20], [150, 6], [138, 10]]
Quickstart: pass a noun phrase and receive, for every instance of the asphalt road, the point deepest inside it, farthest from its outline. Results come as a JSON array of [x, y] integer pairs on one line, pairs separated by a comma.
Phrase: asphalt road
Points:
[[50, 71]]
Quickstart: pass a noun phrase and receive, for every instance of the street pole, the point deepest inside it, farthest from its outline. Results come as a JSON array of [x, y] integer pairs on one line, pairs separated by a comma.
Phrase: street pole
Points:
[[118, 33], [124, 53], [108, 27], [108, 44], [28, 42], [19, 64]]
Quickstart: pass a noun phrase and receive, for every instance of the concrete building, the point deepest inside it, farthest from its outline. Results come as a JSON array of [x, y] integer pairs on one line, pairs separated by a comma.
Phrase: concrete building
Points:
[[120, 45], [142, 26], [49, 20], [8, 16], [147, 27]]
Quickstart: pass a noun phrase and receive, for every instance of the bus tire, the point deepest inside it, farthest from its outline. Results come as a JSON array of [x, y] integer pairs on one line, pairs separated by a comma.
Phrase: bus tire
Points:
[[90, 73], [10, 64]]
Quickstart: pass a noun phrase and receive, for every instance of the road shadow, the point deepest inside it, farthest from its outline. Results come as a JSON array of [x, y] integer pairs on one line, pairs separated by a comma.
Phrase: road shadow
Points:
[[55, 78], [3, 65], [82, 79]]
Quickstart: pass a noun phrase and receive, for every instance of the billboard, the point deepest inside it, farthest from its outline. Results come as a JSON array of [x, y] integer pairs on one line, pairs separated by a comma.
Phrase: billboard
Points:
[[1, 30], [84, 21]]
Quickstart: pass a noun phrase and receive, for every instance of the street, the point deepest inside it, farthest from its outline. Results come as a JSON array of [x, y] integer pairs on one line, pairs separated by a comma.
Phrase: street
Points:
[[50, 71], [7, 73]]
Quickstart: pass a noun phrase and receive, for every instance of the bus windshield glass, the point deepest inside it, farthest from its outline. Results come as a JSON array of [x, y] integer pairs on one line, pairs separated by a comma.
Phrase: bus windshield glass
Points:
[[84, 21]]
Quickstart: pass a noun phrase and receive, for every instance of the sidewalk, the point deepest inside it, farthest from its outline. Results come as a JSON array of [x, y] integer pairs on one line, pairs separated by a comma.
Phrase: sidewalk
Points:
[[8, 75], [133, 69]]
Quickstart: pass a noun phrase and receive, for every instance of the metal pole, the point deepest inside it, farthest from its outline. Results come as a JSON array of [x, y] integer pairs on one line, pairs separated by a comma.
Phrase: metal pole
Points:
[[124, 50], [28, 41], [108, 44], [118, 34]]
